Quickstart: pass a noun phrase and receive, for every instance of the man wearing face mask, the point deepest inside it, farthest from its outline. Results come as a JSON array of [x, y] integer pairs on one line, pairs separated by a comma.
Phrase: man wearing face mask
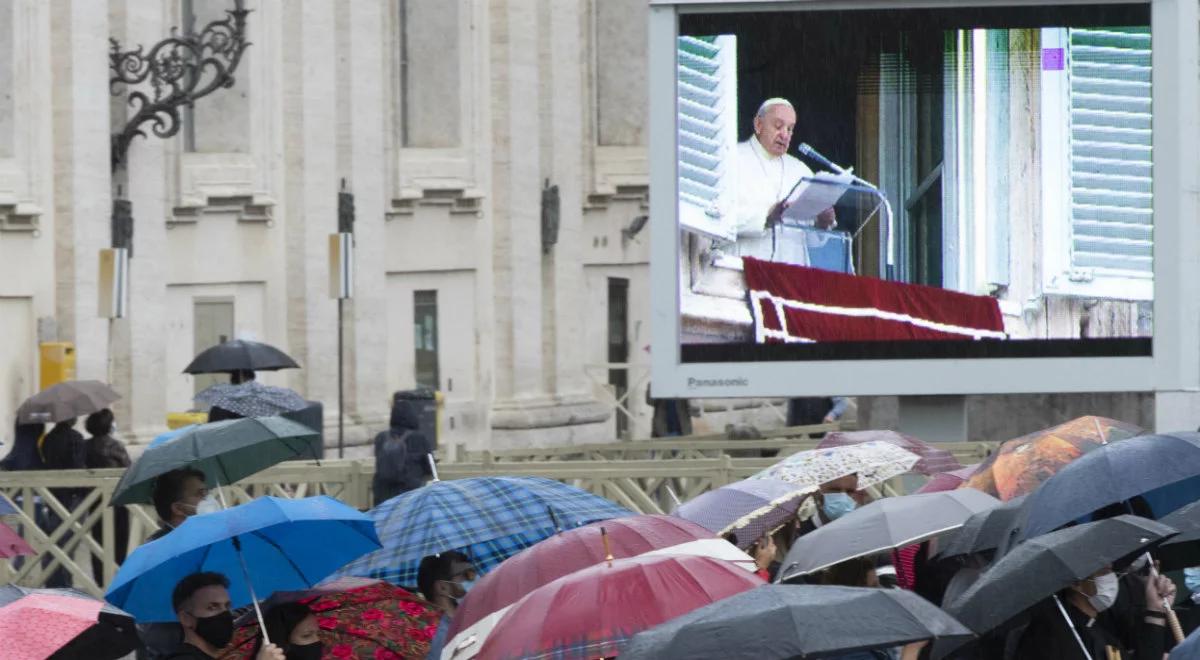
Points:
[[834, 499], [1088, 603], [201, 602], [178, 495], [443, 580]]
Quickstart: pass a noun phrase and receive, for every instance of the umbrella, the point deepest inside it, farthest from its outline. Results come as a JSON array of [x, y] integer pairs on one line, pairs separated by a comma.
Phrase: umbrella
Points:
[[488, 519], [948, 480], [64, 624], [225, 451], [1189, 649], [984, 531], [252, 399], [357, 619], [1182, 551], [749, 509], [933, 460], [7, 508], [797, 621], [1164, 469], [884, 524], [592, 613], [1020, 465], [285, 544], [1041, 567], [873, 462], [576, 549], [240, 355], [11, 543], [66, 400]]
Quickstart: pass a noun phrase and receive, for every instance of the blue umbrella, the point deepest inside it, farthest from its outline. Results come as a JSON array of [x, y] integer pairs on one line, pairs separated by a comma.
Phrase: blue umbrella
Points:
[[173, 433], [486, 518], [1164, 469], [1189, 649], [6, 507], [285, 544]]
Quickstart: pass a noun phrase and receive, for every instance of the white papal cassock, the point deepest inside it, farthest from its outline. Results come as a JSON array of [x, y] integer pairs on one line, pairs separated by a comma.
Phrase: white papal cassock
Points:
[[762, 181]]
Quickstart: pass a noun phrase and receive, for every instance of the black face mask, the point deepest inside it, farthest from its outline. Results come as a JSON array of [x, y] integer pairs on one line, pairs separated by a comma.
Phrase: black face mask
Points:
[[217, 629], [305, 652]]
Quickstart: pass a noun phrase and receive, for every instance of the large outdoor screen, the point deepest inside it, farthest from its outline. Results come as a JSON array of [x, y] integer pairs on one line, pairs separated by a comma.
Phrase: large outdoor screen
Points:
[[915, 183]]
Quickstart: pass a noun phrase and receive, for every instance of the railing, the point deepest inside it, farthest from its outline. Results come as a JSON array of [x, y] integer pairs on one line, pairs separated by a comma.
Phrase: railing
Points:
[[645, 476]]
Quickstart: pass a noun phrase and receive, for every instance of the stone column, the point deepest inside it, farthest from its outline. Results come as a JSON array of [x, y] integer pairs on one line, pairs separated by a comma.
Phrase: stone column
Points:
[[139, 343], [363, 116], [81, 181], [310, 196]]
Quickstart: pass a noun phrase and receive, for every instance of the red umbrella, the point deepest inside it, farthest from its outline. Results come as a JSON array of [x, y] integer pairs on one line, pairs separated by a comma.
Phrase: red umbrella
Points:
[[592, 613], [566, 553], [11, 543], [943, 481], [933, 460]]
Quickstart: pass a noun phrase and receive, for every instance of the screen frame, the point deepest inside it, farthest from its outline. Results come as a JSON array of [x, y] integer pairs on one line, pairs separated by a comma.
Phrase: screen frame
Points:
[[1174, 365]]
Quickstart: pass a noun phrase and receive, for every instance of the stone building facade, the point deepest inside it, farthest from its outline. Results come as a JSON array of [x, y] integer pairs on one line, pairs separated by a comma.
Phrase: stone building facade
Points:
[[446, 119]]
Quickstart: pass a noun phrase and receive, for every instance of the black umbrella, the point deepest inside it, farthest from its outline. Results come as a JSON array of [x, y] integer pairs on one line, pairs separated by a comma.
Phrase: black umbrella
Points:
[[1163, 469], [1181, 551], [240, 355], [1043, 566], [797, 621], [984, 531], [113, 636], [66, 400]]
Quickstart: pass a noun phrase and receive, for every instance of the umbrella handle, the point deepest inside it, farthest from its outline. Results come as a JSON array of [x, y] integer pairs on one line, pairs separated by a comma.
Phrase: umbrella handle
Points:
[[1071, 625], [262, 625], [432, 466], [1168, 611]]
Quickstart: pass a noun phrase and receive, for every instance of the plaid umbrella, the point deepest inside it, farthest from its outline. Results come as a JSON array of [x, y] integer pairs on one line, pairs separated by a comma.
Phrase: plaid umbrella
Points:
[[749, 508], [357, 619], [1019, 466], [252, 399], [489, 519], [873, 462], [66, 400], [592, 613], [933, 460]]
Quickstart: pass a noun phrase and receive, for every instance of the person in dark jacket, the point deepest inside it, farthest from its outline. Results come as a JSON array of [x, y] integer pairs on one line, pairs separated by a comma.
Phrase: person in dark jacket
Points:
[[1094, 624], [62, 449], [24, 454], [402, 454], [102, 451]]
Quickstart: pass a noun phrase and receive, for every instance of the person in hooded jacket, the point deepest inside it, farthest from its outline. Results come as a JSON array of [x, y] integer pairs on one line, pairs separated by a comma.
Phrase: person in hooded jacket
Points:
[[402, 454], [24, 454]]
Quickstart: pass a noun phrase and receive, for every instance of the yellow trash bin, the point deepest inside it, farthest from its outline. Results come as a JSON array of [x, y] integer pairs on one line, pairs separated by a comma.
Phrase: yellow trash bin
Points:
[[57, 362], [178, 420]]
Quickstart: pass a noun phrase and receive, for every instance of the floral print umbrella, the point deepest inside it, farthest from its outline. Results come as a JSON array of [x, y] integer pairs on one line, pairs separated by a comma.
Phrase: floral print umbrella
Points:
[[873, 462], [377, 620]]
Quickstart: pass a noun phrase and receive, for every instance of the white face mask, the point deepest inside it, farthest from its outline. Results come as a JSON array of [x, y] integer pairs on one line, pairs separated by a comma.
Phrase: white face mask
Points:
[[1107, 587], [207, 505]]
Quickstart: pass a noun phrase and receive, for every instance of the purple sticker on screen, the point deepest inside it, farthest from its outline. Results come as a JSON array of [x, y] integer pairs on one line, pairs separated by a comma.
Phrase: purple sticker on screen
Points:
[[1052, 59]]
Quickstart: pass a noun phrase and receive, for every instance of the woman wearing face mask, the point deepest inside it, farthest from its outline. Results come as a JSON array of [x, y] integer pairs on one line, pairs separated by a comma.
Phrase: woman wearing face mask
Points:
[[1101, 632], [293, 627]]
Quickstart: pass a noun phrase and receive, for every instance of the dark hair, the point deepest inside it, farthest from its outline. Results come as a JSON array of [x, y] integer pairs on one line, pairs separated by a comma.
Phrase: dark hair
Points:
[[437, 567], [850, 573], [281, 620], [65, 424], [193, 583], [168, 489], [99, 423]]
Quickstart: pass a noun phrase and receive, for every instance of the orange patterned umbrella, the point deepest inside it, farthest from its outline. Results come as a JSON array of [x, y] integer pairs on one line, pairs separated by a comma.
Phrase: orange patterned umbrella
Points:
[[1021, 465]]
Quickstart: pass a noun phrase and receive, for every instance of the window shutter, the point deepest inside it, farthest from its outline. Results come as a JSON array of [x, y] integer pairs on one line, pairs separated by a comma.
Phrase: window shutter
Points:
[[707, 106], [1111, 203]]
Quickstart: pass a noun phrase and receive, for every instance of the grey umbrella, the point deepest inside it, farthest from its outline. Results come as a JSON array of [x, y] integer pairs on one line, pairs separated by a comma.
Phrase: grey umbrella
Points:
[[66, 400], [984, 531], [1043, 566], [252, 399], [805, 621], [885, 524], [224, 451], [1182, 551]]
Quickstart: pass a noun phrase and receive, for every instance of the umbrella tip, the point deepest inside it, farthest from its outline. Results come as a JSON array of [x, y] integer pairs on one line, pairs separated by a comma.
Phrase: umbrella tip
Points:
[[608, 556]]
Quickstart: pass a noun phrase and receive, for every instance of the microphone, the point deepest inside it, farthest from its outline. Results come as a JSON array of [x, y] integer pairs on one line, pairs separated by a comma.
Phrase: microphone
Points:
[[805, 149]]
